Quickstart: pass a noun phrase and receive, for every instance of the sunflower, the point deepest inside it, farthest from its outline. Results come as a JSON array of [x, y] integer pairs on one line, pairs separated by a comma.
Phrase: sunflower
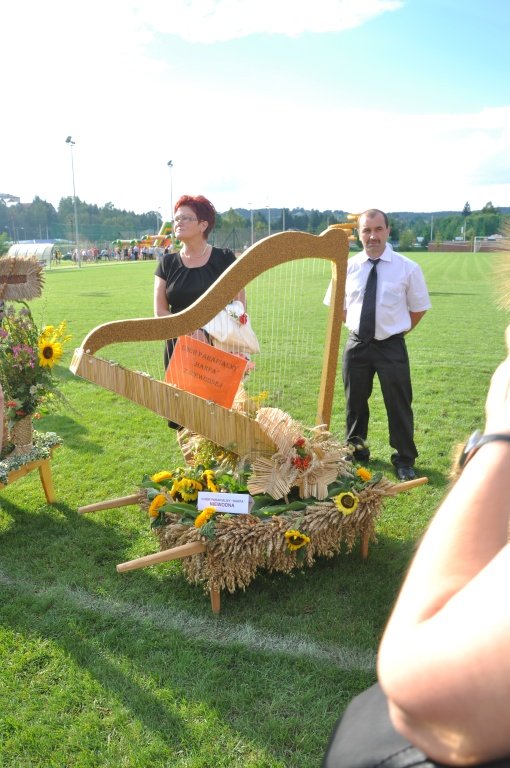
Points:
[[346, 502], [50, 352], [47, 332], [209, 477], [187, 489], [204, 516], [296, 539], [159, 476], [155, 504], [364, 474]]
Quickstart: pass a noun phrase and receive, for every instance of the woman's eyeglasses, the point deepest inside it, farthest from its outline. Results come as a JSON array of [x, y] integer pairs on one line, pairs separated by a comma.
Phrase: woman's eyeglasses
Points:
[[180, 219]]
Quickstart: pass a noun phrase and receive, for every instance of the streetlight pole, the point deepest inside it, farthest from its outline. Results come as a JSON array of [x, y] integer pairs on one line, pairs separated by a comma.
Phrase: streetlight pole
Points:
[[71, 143], [171, 165], [251, 221]]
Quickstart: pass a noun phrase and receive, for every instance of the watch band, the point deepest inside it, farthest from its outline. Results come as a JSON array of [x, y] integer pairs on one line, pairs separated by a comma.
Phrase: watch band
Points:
[[472, 446]]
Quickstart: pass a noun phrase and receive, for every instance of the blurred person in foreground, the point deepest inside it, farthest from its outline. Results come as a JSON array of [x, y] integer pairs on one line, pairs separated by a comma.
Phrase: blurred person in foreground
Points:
[[444, 661]]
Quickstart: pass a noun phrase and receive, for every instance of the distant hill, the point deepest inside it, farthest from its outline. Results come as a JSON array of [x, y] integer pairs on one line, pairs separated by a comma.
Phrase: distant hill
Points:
[[405, 215], [342, 215]]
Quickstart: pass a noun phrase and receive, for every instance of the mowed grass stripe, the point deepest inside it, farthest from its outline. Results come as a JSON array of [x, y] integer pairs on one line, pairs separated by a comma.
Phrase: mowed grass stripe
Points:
[[208, 628]]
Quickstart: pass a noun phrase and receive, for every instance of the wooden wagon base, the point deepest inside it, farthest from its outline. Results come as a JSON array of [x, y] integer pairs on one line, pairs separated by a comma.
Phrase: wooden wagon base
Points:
[[195, 548], [199, 547]]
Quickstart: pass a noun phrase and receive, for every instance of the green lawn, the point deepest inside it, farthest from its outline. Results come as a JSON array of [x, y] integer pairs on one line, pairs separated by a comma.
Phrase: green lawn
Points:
[[102, 669]]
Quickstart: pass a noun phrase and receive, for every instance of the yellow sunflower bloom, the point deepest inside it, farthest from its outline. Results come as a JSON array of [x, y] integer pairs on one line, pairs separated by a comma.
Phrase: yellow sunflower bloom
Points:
[[364, 474], [155, 504], [50, 352], [296, 539], [204, 516], [211, 485], [346, 502], [189, 488], [159, 476], [47, 332]]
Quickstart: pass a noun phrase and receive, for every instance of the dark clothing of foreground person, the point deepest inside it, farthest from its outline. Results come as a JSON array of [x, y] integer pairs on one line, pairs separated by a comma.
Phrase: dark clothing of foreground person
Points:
[[366, 738]]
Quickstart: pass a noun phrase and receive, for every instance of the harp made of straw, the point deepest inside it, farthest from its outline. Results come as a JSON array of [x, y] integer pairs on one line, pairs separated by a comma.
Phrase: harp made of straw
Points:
[[229, 428]]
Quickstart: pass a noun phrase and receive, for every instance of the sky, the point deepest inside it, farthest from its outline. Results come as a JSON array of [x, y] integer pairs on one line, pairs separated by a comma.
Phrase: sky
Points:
[[402, 105]]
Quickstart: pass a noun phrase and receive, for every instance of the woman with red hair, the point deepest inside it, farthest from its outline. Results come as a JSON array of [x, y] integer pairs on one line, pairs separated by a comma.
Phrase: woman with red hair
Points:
[[182, 277]]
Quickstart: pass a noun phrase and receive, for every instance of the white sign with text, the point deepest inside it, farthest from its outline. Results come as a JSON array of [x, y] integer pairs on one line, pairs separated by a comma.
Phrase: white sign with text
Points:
[[228, 503]]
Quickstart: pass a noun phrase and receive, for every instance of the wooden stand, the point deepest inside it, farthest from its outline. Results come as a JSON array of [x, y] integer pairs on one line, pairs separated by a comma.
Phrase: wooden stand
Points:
[[197, 547], [44, 467], [122, 501]]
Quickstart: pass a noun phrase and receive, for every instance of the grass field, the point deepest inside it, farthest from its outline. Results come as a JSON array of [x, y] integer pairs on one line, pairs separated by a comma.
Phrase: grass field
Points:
[[102, 669]]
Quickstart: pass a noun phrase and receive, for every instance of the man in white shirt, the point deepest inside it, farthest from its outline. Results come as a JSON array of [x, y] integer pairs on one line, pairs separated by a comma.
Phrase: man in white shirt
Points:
[[376, 343]]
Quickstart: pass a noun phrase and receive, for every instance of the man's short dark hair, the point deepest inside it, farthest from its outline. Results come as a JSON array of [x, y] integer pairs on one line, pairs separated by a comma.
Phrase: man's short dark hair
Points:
[[373, 212]]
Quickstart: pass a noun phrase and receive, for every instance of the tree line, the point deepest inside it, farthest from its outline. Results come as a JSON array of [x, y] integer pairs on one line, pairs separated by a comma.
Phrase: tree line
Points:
[[41, 221]]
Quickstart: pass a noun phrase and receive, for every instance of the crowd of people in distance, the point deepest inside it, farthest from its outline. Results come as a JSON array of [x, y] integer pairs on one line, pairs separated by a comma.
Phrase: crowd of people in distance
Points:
[[118, 253]]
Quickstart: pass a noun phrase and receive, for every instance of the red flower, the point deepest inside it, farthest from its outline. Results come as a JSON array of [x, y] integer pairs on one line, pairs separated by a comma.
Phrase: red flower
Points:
[[301, 462], [299, 442], [243, 319]]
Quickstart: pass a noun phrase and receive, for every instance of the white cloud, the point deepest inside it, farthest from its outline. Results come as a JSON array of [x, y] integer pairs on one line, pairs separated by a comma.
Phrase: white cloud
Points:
[[92, 76], [353, 159], [210, 21], [325, 159]]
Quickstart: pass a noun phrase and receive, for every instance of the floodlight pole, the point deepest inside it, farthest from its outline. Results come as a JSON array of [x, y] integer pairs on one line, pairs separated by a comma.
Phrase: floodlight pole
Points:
[[71, 143], [171, 165]]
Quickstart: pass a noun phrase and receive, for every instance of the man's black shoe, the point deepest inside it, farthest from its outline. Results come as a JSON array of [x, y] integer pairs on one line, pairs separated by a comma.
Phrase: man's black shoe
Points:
[[361, 452], [357, 458], [405, 473]]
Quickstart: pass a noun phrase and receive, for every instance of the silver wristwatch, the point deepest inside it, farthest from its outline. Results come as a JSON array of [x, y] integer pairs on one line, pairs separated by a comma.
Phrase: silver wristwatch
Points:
[[475, 441]]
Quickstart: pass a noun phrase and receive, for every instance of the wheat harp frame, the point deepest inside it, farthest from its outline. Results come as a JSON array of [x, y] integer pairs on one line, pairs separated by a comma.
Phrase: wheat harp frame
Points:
[[231, 429]]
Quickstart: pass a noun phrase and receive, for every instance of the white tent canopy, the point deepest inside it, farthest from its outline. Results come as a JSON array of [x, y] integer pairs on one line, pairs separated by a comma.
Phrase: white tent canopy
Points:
[[41, 251]]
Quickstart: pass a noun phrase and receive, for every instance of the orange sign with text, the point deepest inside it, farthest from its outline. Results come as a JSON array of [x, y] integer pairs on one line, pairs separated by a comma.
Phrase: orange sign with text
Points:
[[205, 371]]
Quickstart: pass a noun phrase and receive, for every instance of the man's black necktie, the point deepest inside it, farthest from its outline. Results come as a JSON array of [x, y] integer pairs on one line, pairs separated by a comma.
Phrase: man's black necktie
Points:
[[367, 317]]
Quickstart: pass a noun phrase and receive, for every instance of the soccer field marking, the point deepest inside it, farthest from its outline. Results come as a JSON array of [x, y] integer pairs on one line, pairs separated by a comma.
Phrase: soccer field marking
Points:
[[210, 629]]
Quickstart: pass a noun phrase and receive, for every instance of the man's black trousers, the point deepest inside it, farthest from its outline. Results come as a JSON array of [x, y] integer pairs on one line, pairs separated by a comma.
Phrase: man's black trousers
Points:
[[390, 361]]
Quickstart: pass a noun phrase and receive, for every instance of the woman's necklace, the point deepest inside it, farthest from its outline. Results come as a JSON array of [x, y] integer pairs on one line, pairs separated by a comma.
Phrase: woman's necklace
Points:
[[189, 257]]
